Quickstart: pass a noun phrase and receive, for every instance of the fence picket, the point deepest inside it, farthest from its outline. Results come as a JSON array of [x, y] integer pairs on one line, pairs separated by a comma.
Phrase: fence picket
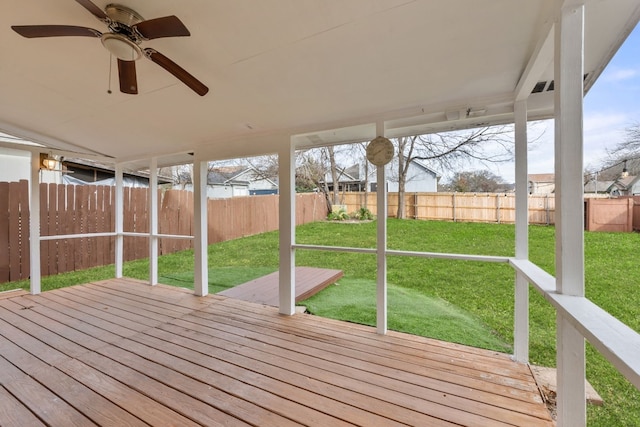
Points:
[[69, 209], [5, 267]]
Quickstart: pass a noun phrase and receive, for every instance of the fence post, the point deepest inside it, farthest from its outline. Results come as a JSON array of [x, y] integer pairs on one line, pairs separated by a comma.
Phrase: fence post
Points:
[[453, 207], [546, 208], [497, 208]]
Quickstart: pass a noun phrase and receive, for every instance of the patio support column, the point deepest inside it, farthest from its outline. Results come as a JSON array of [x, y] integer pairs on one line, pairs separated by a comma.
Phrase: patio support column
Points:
[[200, 228], [34, 225], [381, 243], [521, 308], [569, 71], [153, 221], [287, 227], [119, 201]]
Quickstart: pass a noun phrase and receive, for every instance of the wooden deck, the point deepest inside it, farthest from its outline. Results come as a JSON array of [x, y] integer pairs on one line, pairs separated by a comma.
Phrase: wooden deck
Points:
[[123, 353], [264, 290]]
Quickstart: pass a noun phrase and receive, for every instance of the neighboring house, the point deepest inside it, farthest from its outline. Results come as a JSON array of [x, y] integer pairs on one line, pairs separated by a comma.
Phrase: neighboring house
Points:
[[233, 181], [420, 178], [82, 171], [16, 165], [625, 186], [350, 179], [597, 187], [541, 183]]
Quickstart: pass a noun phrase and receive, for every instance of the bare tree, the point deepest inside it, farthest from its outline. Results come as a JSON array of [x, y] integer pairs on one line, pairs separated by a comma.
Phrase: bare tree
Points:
[[624, 155], [450, 150], [482, 181]]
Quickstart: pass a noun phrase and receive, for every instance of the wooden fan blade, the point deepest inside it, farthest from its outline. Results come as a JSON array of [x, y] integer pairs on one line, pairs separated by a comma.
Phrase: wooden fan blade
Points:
[[95, 10], [196, 85], [128, 79], [168, 26], [32, 31]]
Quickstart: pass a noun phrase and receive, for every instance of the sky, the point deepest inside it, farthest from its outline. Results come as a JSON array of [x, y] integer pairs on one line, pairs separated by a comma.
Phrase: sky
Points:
[[611, 106]]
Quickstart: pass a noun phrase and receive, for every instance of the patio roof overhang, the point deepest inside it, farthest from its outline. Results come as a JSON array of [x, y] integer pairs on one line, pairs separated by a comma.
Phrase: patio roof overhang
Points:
[[310, 73], [322, 71]]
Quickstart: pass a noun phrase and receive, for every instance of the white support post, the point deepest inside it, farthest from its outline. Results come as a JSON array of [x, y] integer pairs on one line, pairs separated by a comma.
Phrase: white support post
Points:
[[521, 307], [381, 243], [287, 226], [569, 57], [119, 196], [153, 221], [200, 228], [34, 226]]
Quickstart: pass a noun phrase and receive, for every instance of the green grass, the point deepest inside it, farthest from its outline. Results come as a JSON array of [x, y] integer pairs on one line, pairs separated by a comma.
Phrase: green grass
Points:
[[423, 289], [220, 278], [355, 300]]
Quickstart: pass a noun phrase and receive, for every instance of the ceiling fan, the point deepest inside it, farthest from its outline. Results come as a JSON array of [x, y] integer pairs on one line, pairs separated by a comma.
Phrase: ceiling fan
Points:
[[127, 30]]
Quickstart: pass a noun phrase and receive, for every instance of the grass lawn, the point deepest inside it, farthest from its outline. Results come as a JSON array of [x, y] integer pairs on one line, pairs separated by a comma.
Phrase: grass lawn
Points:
[[427, 296]]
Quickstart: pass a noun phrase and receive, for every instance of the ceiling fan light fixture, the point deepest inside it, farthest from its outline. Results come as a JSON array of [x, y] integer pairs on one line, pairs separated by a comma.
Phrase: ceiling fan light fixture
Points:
[[121, 47]]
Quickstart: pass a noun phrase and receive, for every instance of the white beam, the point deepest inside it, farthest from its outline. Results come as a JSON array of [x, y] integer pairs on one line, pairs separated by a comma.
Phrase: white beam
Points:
[[200, 228], [521, 307], [153, 221], [569, 70], [287, 227], [119, 196], [34, 226], [538, 63], [381, 243]]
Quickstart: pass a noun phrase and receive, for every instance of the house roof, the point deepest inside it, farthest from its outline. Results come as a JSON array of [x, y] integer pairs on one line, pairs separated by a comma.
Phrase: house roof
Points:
[[541, 178], [321, 71], [424, 167], [599, 186]]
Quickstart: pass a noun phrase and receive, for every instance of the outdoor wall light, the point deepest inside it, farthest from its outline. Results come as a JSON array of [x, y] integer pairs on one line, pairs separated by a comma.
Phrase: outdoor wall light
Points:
[[48, 162]]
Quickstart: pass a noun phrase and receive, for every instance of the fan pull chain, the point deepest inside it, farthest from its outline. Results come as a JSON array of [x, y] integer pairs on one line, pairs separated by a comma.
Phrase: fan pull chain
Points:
[[110, 67]]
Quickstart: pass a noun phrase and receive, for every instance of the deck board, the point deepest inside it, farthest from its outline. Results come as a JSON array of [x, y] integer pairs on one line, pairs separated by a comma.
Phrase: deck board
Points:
[[264, 290], [123, 353]]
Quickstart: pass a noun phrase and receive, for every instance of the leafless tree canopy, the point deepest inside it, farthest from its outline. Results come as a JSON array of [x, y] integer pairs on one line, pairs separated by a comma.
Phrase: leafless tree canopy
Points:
[[449, 151], [625, 153]]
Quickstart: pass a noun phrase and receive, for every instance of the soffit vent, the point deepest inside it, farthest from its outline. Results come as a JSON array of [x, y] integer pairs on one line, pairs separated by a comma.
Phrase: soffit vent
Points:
[[548, 86]]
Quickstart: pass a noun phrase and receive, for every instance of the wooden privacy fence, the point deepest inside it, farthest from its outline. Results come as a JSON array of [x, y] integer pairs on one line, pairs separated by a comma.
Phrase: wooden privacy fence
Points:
[[82, 209], [463, 207]]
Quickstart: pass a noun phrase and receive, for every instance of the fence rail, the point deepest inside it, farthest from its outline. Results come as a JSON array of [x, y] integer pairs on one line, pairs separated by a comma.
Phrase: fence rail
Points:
[[77, 210], [463, 207]]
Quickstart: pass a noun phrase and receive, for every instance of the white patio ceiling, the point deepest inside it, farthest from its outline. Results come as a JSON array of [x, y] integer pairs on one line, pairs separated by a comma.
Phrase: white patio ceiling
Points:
[[326, 70]]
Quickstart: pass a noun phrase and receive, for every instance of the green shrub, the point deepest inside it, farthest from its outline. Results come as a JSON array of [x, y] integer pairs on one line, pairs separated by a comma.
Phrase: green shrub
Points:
[[340, 215], [363, 214]]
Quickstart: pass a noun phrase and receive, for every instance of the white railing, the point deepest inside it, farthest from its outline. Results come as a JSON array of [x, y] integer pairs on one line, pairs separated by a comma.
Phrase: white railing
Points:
[[616, 341]]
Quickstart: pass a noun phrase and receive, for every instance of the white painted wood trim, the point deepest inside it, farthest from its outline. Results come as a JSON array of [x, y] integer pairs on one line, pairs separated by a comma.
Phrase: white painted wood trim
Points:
[[200, 228], [569, 71], [119, 201], [381, 244], [617, 342], [287, 227], [336, 249], [153, 221], [521, 294], [80, 236], [538, 63], [461, 257], [35, 282]]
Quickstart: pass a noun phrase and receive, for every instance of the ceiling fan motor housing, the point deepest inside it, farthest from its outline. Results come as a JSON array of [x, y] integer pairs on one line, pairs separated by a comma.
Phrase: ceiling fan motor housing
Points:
[[123, 15], [123, 41]]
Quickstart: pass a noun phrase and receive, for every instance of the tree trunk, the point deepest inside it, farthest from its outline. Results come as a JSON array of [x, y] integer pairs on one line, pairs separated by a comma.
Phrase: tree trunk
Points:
[[334, 176], [402, 175]]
